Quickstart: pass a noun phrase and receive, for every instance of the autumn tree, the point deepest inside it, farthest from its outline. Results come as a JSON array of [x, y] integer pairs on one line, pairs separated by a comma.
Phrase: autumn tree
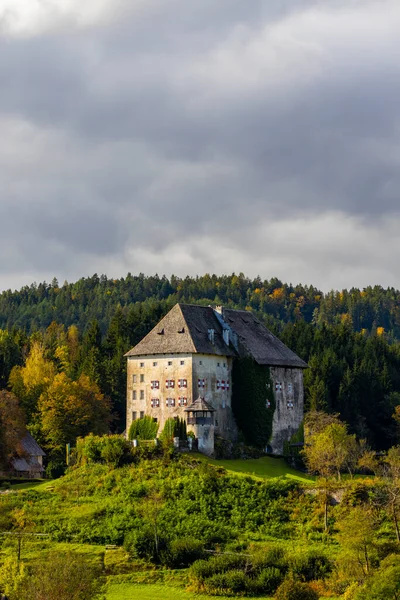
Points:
[[326, 452], [391, 477], [356, 537], [12, 425], [328, 449], [30, 381], [71, 409]]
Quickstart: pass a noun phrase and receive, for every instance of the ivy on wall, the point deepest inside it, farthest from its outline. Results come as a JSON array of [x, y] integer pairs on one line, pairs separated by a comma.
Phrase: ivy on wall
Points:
[[251, 392]]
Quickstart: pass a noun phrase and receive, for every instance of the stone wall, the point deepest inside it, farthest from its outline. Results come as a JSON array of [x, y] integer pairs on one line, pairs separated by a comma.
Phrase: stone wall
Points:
[[161, 369], [212, 369], [289, 398]]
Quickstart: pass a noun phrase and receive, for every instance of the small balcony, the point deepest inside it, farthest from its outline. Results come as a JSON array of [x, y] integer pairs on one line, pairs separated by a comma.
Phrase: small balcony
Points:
[[199, 420]]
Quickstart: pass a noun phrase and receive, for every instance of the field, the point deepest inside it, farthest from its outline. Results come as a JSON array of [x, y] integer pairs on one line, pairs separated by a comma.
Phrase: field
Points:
[[135, 591], [263, 468]]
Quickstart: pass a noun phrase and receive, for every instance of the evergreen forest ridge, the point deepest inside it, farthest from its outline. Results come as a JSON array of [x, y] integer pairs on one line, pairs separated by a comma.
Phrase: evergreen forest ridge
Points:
[[350, 339]]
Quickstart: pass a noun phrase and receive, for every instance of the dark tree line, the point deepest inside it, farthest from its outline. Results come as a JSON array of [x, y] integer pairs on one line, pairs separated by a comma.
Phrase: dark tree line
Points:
[[349, 338]]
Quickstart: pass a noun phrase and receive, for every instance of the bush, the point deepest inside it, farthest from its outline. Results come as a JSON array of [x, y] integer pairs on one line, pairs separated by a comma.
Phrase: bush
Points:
[[291, 589], [269, 580], [314, 565], [184, 552], [204, 569], [112, 449], [231, 582], [143, 429], [142, 543], [62, 577]]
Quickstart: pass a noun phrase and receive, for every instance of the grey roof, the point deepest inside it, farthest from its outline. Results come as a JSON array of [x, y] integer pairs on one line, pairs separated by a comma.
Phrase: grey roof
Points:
[[20, 464], [259, 342], [200, 405], [30, 446], [184, 330], [24, 465]]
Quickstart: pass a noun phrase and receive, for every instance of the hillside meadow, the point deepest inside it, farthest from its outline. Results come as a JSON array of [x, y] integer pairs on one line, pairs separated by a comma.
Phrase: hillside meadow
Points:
[[176, 526]]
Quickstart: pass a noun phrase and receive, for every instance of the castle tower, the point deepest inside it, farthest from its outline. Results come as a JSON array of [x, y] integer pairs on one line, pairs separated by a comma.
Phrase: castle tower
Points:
[[200, 420]]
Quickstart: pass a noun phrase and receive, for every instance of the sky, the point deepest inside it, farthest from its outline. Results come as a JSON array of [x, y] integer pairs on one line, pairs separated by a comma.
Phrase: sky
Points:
[[167, 136]]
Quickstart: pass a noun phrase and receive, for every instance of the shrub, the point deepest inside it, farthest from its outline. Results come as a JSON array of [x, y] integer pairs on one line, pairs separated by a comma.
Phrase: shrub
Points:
[[291, 589], [183, 552], [204, 569], [269, 580], [313, 565], [62, 577], [231, 582], [143, 429], [142, 543], [112, 449], [174, 428]]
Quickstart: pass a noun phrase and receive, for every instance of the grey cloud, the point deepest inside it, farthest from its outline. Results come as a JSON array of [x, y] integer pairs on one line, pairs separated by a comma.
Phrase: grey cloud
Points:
[[193, 125]]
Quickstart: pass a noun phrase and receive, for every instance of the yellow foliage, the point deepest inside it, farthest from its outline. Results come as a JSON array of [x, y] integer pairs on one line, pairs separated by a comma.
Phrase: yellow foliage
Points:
[[38, 370], [278, 294], [380, 330]]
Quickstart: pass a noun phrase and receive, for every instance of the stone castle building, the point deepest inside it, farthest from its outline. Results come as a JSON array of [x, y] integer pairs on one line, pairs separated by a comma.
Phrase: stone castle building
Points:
[[183, 367]]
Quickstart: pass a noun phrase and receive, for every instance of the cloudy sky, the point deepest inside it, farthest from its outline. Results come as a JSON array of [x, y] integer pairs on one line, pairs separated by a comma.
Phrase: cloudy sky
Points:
[[192, 136]]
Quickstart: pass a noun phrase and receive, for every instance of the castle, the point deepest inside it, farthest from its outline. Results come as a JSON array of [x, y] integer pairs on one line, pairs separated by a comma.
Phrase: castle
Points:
[[183, 368]]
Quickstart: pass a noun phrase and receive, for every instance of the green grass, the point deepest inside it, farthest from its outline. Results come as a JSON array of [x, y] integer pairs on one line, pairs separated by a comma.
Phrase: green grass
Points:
[[38, 485], [264, 468], [137, 591]]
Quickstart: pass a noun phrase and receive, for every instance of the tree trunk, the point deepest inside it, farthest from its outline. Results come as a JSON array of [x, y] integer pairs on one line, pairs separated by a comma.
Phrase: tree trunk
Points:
[[366, 560], [396, 525], [326, 512]]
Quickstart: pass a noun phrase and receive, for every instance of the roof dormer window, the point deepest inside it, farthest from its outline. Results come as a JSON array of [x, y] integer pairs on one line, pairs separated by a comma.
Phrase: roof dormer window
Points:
[[211, 335]]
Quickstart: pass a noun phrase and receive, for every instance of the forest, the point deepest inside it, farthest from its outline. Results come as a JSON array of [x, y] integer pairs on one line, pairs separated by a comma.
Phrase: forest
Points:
[[68, 341]]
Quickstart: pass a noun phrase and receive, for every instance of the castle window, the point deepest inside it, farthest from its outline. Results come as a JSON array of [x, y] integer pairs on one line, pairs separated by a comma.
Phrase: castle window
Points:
[[200, 362], [290, 387], [155, 402], [142, 414], [290, 405], [134, 395], [222, 384], [182, 362], [225, 365], [182, 401], [170, 402], [155, 385], [182, 383], [278, 386], [201, 383], [141, 378], [155, 419], [141, 365], [134, 416], [142, 394], [170, 363], [223, 404], [134, 378], [154, 364], [218, 364], [170, 383]]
